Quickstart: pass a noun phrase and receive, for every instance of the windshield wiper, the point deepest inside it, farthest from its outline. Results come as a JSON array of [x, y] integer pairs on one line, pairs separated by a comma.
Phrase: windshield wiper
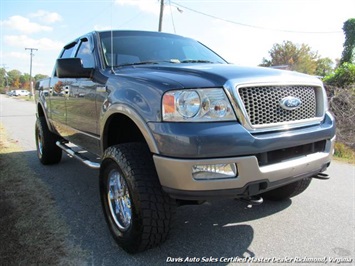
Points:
[[196, 61], [139, 63], [172, 61]]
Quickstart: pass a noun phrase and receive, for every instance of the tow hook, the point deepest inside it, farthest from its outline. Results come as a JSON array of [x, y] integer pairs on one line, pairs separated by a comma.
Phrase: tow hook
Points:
[[252, 201], [321, 176]]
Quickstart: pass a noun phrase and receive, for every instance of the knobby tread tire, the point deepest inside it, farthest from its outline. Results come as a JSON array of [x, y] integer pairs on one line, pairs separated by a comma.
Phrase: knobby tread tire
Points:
[[152, 209], [51, 153], [288, 191]]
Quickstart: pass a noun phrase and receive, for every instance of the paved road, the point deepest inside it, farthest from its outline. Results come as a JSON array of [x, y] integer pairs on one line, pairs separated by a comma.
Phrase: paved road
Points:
[[317, 224]]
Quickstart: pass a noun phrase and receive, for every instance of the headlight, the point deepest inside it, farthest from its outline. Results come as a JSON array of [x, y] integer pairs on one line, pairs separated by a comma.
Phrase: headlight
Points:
[[188, 104], [197, 105]]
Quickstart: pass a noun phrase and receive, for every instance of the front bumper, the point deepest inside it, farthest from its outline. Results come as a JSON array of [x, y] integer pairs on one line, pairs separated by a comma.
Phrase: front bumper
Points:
[[230, 139], [290, 156], [176, 175]]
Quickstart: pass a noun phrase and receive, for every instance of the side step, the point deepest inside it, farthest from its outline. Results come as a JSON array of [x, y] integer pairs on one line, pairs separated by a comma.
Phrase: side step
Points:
[[77, 155]]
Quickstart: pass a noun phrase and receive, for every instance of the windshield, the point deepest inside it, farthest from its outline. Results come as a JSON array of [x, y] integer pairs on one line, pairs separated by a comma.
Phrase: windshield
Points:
[[135, 48]]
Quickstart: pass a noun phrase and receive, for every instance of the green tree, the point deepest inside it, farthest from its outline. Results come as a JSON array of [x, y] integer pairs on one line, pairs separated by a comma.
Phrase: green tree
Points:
[[297, 57], [14, 78], [324, 67], [349, 44], [343, 76], [25, 81], [2, 77], [40, 76]]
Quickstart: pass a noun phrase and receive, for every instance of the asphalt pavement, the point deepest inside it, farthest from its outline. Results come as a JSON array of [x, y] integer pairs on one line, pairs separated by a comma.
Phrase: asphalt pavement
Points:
[[314, 228]]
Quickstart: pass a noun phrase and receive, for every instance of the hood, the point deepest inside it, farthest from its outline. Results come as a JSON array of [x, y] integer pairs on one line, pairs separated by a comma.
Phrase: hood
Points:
[[211, 75]]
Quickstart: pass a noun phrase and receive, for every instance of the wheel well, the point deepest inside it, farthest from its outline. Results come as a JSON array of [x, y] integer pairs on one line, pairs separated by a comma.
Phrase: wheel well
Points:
[[121, 129]]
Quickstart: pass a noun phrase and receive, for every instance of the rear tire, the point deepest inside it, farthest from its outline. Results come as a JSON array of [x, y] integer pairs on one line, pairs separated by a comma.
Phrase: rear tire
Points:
[[47, 151], [138, 212], [288, 191]]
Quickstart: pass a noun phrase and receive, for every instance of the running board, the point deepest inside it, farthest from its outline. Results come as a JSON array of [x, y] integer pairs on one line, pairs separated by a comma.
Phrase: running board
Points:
[[77, 155]]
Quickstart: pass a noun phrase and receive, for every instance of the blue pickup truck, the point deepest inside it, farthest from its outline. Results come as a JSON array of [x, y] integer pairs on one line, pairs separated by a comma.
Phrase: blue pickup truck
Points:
[[173, 123]]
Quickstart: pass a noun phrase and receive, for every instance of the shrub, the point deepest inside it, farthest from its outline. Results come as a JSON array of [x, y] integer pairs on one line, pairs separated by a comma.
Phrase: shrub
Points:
[[343, 76], [342, 105]]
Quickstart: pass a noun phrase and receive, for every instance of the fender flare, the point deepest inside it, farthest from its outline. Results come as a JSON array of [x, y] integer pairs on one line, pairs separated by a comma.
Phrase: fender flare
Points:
[[137, 120], [45, 113]]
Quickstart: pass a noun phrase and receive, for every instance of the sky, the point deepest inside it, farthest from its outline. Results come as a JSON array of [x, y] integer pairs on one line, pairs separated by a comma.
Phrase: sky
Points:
[[241, 31]]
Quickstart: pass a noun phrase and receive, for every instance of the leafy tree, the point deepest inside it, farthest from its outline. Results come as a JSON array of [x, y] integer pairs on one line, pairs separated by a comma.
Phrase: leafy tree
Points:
[[2, 77], [343, 76], [40, 76], [297, 57], [349, 44], [25, 81], [324, 67], [14, 78]]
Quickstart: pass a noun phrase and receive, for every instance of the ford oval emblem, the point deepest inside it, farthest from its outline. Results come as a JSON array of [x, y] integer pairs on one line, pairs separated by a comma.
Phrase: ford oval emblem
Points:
[[290, 103]]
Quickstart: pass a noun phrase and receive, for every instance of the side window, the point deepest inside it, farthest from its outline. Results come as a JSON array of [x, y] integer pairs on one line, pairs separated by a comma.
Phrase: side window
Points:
[[85, 53], [69, 50]]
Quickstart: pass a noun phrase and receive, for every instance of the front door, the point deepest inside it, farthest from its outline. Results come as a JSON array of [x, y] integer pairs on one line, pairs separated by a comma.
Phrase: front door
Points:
[[82, 117]]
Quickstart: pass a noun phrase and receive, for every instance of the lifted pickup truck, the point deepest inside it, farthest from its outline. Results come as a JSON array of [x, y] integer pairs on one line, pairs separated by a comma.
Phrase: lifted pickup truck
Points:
[[173, 123]]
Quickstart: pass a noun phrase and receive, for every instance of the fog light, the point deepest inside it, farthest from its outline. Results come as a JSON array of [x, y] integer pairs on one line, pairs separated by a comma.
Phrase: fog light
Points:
[[214, 171]]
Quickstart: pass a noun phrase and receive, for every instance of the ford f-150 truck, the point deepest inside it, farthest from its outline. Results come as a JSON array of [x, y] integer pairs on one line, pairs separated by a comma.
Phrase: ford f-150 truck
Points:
[[174, 123]]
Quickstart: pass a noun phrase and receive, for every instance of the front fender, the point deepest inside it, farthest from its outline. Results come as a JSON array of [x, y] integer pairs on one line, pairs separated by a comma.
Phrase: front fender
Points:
[[135, 117]]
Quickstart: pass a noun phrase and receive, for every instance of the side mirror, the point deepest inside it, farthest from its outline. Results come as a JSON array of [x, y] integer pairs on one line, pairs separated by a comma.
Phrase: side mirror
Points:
[[72, 68], [37, 86]]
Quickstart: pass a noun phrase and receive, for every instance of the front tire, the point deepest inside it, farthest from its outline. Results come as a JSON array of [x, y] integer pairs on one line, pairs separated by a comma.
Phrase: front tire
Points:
[[47, 151], [138, 212], [288, 191]]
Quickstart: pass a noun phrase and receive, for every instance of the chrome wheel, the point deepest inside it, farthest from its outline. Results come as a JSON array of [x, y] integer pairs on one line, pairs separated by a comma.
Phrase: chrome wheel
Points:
[[39, 143], [137, 210], [119, 200]]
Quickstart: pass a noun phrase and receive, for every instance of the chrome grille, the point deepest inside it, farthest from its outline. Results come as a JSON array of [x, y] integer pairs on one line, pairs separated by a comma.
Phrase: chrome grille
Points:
[[263, 103]]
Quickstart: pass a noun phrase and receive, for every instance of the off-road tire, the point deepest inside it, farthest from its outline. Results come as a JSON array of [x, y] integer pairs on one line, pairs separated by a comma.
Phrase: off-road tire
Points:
[[152, 210], [288, 191], [47, 151]]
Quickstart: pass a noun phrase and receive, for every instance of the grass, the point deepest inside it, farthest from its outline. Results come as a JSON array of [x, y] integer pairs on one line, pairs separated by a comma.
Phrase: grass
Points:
[[344, 153], [31, 230]]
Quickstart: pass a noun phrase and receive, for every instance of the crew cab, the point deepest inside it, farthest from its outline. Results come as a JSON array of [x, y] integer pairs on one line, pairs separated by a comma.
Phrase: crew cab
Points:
[[174, 123]]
